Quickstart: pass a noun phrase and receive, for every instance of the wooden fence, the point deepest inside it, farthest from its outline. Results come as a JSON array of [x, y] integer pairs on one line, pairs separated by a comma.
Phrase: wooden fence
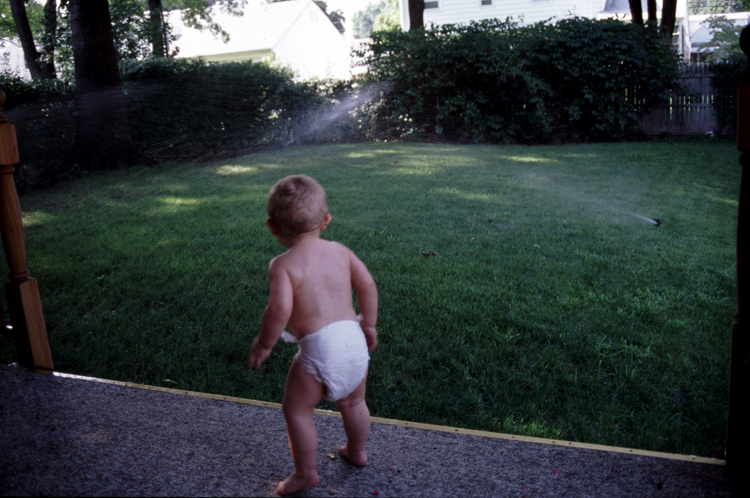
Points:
[[688, 112]]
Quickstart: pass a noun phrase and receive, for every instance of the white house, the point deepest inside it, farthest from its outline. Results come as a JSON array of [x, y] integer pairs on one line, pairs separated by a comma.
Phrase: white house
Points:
[[523, 11], [295, 33], [12, 60]]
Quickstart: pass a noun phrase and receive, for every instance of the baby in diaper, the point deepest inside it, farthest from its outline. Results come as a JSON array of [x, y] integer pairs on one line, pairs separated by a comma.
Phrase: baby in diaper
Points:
[[311, 295]]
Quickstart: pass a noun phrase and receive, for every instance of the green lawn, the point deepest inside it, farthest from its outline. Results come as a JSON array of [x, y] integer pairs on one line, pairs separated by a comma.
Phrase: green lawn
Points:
[[552, 308]]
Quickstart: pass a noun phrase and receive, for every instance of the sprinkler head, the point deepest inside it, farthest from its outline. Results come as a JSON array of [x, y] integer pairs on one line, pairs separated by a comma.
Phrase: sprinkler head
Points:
[[657, 222]]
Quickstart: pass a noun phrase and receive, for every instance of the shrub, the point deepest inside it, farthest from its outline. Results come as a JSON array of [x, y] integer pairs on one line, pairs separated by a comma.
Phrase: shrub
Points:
[[726, 77], [494, 81], [19, 92], [186, 110], [42, 113]]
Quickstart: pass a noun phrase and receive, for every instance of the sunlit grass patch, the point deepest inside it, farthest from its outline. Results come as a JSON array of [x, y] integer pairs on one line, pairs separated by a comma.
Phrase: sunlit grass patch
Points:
[[235, 170]]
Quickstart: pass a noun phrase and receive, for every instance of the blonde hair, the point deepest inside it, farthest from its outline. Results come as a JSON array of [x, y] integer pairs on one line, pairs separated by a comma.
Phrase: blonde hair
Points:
[[297, 204]]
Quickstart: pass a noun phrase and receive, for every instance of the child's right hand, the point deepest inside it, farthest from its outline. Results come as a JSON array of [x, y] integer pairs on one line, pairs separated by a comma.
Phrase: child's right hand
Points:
[[371, 336], [258, 354]]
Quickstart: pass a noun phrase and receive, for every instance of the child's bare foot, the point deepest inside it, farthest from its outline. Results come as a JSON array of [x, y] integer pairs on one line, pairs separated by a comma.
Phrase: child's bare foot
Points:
[[295, 483], [356, 459]]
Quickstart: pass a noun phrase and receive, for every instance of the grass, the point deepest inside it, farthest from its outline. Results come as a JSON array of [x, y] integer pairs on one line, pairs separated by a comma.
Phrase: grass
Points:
[[550, 309]]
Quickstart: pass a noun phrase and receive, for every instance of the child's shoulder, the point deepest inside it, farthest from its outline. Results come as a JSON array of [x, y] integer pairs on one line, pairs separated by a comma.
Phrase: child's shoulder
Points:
[[333, 243], [277, 263], [338, 246]]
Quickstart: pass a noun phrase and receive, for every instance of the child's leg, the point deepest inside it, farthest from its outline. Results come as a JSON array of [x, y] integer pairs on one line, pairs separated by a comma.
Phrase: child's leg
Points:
[[356, 425], [301, 393]]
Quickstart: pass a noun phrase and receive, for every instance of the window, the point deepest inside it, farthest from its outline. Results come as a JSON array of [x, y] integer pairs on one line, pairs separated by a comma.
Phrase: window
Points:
[[430, 5]]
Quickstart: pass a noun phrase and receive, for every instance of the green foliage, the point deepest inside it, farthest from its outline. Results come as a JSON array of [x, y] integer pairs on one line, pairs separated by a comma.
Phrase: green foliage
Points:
[[131, 28], [377, 16], [7, 26], [715, 6], [19, 92], [132, 31], [64, 64], [725, 40], [494, 81], [35, 13], [388, 19]]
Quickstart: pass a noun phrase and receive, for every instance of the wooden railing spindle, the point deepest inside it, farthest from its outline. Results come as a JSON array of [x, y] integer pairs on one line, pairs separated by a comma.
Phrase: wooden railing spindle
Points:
[[24, 302]]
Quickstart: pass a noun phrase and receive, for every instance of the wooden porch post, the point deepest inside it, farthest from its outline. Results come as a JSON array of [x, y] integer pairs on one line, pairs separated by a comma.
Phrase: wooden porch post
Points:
[[22, 291]]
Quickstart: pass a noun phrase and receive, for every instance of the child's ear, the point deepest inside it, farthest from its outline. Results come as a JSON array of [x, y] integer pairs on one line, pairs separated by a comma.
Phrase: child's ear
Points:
[[272, 226], [326, 221]]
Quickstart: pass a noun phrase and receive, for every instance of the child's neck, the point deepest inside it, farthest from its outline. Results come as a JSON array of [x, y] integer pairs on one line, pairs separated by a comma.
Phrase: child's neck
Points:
[[290, 241]]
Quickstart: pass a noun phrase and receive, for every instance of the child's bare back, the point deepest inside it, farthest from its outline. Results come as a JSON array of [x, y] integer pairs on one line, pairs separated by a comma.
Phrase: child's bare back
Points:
[[319, 275]]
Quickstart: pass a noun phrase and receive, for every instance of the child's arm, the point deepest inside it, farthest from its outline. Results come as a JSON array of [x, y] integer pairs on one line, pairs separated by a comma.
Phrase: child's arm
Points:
[[275, 316], [367, 297]]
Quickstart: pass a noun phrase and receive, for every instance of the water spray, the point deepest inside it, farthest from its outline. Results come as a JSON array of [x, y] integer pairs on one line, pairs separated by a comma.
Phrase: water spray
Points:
[[317, 121], [656, 221]]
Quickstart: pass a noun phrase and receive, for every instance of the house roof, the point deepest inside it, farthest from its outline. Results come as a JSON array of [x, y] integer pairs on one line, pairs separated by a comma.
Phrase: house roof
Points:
[[254, 32]]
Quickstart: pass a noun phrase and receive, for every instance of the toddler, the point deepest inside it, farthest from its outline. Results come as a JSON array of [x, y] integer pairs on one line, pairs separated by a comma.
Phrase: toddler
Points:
[[311, 294]]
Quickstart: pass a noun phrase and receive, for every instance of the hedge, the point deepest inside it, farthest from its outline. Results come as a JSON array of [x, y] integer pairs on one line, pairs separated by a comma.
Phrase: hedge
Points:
[[496, 81]]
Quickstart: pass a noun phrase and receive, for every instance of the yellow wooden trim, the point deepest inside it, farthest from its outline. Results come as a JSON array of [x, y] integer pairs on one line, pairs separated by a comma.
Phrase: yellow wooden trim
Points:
[[172, 391], [554, 442], [417, 425]]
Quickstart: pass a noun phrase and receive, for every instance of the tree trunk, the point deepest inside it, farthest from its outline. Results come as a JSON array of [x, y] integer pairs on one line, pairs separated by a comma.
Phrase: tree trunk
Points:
[[49, 42], [38, 67], [651, 4], [668, 18], [102, 137], [416, 14], [158, 34], [636, 12]]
